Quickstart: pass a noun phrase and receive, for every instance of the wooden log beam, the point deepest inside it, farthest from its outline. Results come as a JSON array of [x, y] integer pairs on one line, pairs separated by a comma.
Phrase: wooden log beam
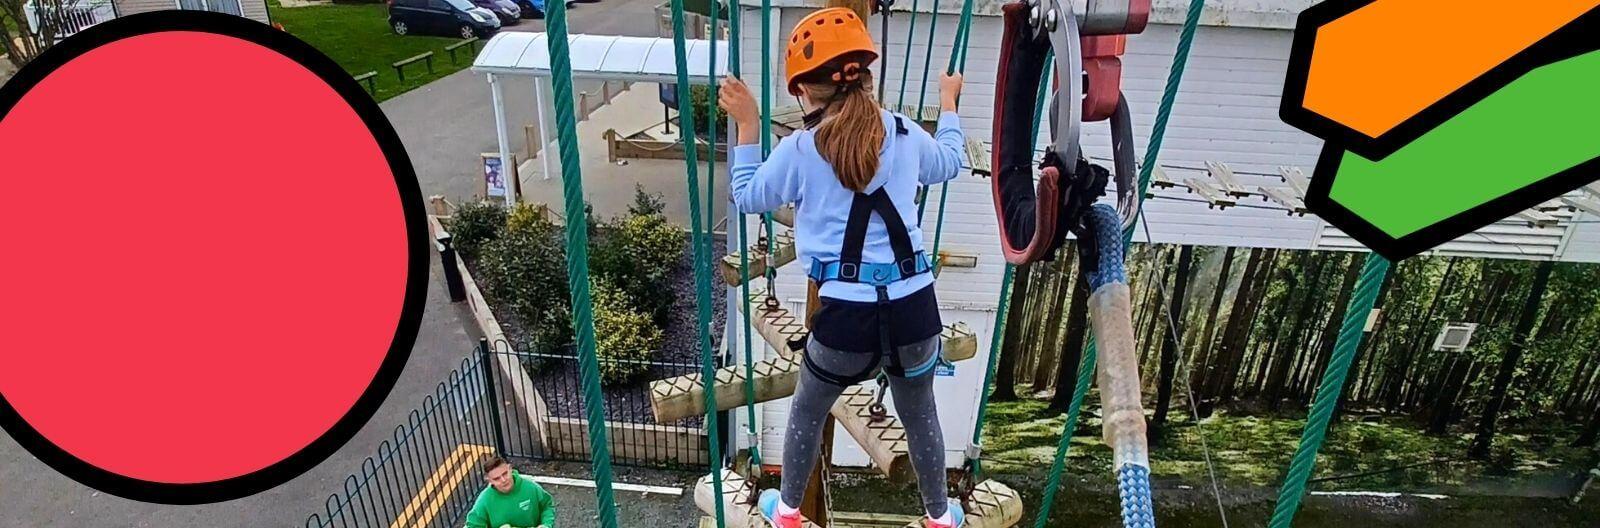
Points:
[[1284, 198], [883, 440], [758, 259], [993, 505], [1210, 193], [677, 398], [1296, 179], [1584, 203], [738, 501], [978, 156], [684, 396]]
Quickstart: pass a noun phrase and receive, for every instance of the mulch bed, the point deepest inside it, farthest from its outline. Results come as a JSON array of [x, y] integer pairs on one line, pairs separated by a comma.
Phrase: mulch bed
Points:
[[558, 380]]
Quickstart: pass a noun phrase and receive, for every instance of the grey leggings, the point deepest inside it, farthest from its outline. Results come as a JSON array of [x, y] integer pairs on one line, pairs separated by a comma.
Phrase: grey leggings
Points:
[[913, 402]]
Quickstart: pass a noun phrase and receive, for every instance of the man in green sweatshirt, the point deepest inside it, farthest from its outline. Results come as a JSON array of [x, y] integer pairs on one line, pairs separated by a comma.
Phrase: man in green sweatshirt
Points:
[[511, 500]]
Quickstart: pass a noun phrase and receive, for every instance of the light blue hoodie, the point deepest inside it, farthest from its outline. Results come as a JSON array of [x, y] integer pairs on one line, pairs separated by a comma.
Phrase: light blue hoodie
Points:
[[795, 172]]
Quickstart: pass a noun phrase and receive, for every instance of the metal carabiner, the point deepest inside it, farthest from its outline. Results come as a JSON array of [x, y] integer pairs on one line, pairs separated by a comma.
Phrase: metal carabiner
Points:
[[1060, 26]]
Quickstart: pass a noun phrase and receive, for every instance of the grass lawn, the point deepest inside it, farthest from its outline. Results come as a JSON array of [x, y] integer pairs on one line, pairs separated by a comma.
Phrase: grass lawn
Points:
[[1022, 436], [357, 36]]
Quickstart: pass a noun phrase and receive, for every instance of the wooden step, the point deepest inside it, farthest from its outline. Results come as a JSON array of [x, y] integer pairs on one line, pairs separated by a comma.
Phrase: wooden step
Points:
[[677, 398], [758, 260], [684, 396], [884, 440], [993, 505], [738, 501]]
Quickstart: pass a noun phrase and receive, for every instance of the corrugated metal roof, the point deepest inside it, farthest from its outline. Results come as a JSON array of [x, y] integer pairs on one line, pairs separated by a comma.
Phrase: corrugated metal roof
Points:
[[643, 59]]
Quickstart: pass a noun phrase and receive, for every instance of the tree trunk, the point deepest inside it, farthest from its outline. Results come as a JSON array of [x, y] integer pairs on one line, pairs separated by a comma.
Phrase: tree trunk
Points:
[[1169, 353], [1201, 365], [1580, 378], [1258, 295], [1072, 350], [1005, 372], [1396, 391], [1508, 365], [1287, 361], [1330, 331], [1227, 361], [1591, 431], [1052, 341]]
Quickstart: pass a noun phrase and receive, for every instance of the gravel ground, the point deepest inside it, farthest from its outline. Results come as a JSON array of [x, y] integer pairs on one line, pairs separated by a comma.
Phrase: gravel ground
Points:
[[558, 380]]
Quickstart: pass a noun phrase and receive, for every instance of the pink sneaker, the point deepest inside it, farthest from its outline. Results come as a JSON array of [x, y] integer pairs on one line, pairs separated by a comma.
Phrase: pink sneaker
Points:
[[768, 504]]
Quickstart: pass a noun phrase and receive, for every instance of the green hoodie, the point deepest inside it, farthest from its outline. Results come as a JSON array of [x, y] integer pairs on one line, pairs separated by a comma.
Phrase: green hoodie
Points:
[[527, 506]]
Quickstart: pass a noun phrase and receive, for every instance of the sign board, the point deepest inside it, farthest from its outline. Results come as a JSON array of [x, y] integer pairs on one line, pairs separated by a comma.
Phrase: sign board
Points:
[[669, 95], [1455, 337], [495, 177]]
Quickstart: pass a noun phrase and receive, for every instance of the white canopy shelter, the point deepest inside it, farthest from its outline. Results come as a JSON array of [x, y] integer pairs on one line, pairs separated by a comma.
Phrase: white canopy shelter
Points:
[[594, 57]]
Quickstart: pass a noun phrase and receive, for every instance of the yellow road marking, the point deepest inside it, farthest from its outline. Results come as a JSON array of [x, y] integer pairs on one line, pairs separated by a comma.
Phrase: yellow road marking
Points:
[[431, 498]]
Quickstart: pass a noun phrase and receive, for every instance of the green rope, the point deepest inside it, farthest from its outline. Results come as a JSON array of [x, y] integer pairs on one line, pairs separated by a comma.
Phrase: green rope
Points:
[[905, 69], [922, 98], [766, 114], [1344, 352], [995, 341], [998, 339], [702, 274], [736, 21], [1152, 150], [958, 63], [578, 264]]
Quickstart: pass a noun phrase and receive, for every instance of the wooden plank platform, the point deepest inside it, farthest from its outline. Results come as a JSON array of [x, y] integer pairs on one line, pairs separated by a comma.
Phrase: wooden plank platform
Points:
[[1210, 193], [1536, 218], [993, 505], [1296, 179], [957, 260], [1159, 179], [1229, 182], [1587, 204], [978, 157], [738, 501], [1284, 197], [758, 259]]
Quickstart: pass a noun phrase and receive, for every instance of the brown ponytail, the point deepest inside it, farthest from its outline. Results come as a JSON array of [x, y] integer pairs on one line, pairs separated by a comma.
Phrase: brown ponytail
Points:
[[851, 132]]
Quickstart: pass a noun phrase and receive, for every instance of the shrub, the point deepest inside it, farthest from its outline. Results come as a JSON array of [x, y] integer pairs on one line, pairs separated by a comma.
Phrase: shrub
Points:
[[700, 100], [474, 224], [525, 270], [624, 336], [640, 254], [645, 204]]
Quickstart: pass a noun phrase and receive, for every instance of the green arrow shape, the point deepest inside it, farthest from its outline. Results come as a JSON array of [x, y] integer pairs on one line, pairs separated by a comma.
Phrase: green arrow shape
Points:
[[1534, 139]]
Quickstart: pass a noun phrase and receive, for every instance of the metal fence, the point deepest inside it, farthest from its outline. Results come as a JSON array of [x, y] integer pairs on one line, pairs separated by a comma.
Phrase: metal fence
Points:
[[424, 474], [517, 404], [545, 413]]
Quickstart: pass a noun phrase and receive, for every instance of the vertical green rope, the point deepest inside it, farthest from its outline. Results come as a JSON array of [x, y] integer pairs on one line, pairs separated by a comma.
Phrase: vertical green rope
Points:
[[958, 63], [578, 264], [995, 342], [998, 339], [1169, 95], [766, 113], [1344, 352], [905, 68], [736, 21], [702, 280], [711, 135]]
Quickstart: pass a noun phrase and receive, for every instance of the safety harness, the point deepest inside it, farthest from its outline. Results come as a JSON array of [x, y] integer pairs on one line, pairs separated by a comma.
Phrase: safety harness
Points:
[[850, 268], [1035, 221]]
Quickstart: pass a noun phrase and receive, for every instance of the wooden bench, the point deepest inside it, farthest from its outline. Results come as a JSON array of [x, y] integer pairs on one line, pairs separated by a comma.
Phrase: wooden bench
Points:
[[470, 43], [368, 79], [400, 65]]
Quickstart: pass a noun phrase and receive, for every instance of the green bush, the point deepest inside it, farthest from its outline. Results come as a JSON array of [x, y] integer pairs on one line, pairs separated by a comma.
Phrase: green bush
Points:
[[645, 204], [700, 100], [525, 270], [475, 224], [641, 254], [624, 336]]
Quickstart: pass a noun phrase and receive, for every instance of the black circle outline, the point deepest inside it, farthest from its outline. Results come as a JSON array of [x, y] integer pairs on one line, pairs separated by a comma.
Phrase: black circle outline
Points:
[[410, 319]]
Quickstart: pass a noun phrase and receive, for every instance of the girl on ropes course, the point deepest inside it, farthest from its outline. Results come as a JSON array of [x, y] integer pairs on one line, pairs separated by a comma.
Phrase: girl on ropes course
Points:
[[853, 173]]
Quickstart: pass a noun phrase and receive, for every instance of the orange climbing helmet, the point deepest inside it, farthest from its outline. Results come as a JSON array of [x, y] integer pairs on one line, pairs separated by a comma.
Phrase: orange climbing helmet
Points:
[[833, 37]]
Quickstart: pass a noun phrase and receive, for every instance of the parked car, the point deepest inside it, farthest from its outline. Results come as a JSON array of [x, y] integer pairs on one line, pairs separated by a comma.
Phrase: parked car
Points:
[[506, 10], [458, 18], [535, 8]]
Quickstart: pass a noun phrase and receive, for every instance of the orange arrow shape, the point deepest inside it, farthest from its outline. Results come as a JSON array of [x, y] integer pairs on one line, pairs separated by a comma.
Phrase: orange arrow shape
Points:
[[1389, 60]]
